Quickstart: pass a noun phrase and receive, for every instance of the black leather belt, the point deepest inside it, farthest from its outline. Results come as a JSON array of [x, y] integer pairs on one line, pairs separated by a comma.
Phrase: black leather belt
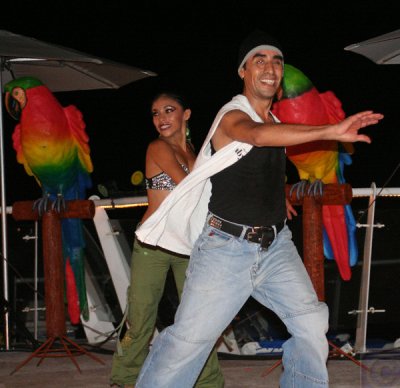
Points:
[[263, 235]]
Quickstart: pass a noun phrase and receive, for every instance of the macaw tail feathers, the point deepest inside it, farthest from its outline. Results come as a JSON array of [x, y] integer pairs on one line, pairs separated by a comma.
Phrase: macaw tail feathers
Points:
[[335, 238], [339, 238], [74, 258], [339, 234], [345, 159], [328, 251], [71, 294]]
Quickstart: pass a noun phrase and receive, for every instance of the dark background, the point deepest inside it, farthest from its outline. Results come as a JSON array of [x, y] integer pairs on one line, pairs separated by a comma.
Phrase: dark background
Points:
[[193, 48]]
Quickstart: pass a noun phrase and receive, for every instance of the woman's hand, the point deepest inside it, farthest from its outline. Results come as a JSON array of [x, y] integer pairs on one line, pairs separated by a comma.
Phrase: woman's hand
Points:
[[290, 210]]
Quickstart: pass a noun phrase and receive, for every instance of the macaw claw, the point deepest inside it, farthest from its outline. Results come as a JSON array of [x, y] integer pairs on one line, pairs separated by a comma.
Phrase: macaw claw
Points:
[[300, 188], [303, 187], [59, 204], [42, 204], [316, 188]]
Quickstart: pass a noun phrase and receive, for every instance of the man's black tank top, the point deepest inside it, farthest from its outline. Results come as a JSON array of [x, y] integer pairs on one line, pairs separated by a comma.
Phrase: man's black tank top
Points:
[[252, 190]]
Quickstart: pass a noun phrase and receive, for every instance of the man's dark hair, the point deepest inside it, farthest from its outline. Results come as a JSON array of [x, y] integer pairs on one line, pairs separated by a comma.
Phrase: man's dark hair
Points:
[[255, 39]]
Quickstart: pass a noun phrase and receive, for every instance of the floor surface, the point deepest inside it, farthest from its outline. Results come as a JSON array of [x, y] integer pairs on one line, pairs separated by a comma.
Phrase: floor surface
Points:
[[241, 372]]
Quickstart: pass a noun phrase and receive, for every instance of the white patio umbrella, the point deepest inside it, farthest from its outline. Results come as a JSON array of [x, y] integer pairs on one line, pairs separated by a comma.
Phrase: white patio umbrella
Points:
[[383, 49], [60, 69]]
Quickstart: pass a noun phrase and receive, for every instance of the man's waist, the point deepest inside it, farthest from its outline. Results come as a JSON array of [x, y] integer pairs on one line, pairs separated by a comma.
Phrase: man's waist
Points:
[[260, 234]]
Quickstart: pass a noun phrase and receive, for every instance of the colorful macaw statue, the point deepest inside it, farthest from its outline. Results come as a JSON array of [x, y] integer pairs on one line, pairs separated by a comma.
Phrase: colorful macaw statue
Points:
[[52, 144], [320, 162]]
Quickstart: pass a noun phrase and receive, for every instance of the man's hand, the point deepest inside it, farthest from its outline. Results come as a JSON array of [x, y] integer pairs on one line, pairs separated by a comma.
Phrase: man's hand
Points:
[[347, 130]]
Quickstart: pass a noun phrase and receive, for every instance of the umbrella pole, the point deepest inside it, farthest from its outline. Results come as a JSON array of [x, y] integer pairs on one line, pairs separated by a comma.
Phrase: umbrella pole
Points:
[[3, 216]]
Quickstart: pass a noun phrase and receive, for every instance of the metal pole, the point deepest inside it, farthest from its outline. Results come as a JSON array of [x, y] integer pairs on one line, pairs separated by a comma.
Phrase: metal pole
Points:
[[361, 331], [3, 216], [35, 300]]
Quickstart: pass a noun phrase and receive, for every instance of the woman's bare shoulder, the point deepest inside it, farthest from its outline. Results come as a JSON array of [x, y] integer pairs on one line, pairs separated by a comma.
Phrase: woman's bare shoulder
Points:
[[158, 145]]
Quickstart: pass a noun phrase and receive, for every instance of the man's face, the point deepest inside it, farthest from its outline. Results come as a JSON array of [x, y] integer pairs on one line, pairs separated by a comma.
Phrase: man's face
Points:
[[262, 73]]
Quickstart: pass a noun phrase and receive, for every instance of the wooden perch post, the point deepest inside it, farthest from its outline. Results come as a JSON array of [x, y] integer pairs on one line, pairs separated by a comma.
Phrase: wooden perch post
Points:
[[53, 257], [54, 276], [313, 250]]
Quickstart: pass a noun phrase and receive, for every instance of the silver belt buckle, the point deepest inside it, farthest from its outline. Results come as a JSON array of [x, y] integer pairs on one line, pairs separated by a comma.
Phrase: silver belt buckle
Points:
[[254, 235], [215, 222], [264, 235]]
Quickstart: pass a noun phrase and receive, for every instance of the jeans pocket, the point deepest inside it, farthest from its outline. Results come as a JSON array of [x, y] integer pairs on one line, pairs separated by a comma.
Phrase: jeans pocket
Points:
[[214, 238]]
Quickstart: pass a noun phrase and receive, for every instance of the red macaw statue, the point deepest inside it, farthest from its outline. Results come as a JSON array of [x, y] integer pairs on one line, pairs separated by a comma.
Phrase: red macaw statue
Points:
[[52, 145], [320, 162]]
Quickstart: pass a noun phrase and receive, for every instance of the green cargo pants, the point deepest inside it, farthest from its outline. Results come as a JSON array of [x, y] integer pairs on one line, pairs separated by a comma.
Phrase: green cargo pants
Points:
[[149, 268]]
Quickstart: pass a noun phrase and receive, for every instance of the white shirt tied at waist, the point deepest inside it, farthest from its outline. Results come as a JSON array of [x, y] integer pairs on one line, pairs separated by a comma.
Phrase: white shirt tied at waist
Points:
[[179, 220]]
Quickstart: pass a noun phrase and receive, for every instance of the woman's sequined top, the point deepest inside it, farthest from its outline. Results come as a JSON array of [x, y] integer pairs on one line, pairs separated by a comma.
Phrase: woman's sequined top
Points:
[[162, 181]]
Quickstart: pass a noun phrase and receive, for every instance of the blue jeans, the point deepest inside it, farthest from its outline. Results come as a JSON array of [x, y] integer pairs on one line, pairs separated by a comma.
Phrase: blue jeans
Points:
[[223, 272]]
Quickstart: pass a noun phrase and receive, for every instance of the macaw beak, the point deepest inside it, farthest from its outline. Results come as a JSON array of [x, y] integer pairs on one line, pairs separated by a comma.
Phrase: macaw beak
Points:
[[12, 106], [15, 102]]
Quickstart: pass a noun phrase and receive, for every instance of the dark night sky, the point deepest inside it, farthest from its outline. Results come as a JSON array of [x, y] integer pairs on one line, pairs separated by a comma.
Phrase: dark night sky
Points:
[[193, 48]]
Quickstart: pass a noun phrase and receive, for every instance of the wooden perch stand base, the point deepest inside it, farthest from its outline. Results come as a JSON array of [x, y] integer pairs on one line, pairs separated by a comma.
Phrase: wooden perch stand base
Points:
[[54, 277]]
